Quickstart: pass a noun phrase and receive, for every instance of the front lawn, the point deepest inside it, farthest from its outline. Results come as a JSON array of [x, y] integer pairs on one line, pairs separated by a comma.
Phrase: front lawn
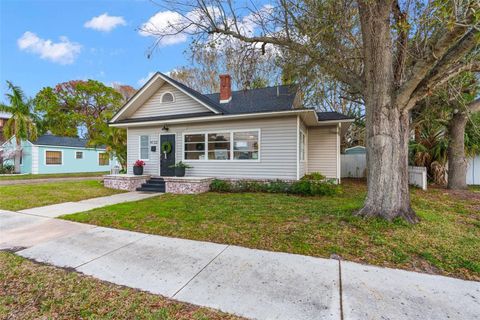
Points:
[[23, 196], [446, 241], [51, 175], [33, 291]]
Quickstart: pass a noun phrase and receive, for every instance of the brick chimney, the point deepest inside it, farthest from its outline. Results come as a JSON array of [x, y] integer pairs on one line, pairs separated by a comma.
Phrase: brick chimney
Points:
[[225, 88]]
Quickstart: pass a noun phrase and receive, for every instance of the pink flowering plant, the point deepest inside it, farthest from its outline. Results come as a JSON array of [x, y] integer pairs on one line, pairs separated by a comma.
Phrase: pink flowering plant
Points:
[[139, 163]]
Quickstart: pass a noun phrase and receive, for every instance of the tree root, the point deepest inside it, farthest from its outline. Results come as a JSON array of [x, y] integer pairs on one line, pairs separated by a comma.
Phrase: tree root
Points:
[[407, 214]]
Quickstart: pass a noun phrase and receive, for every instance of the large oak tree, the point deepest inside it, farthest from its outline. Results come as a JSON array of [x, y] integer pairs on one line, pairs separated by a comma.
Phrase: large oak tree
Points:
[[392, 53]]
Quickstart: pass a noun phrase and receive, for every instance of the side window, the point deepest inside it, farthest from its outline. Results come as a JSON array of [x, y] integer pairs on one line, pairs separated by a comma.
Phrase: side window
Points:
[[53, 157], [144, 147], [103, 159], [79, 155]]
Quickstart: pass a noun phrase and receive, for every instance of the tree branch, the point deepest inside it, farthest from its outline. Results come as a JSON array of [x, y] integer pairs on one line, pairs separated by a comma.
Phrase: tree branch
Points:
[[474, 106], [434, 54], [446, 68]]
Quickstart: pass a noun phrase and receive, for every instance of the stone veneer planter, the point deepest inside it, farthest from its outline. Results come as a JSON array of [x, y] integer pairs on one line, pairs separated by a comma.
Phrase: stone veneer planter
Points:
[[128, 182], [187, 185]]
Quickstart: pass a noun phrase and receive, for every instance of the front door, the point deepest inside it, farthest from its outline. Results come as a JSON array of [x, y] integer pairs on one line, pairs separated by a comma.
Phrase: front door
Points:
[[167, 159]]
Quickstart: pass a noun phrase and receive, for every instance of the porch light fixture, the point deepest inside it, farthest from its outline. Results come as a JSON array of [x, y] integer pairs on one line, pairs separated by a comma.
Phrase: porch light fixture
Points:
[[165, 128]]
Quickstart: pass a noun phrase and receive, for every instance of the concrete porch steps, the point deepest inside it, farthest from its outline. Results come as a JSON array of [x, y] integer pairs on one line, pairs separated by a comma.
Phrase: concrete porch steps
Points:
[[153, 185]]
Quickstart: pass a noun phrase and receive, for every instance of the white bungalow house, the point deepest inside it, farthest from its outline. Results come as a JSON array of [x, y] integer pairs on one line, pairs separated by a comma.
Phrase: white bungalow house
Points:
[[249, 134]]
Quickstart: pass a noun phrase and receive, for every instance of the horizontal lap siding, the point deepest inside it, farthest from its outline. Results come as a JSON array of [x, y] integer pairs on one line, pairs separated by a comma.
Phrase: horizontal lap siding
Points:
[[322, 151], [277, 149], [183, 104]]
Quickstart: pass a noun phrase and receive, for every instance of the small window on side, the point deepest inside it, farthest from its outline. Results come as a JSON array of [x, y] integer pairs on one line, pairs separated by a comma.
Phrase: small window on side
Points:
[[167, 97], [79, 155], [103, 159]]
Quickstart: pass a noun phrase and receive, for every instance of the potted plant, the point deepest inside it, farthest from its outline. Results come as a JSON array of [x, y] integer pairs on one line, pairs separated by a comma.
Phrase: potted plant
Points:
[[180, 168], [138, 167]]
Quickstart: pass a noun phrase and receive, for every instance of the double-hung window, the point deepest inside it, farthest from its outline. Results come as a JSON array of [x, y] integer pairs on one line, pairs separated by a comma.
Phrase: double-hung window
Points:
[[302, 146], [144, 147], [245, 145], [222, 145], [219, 146], [103, 159]]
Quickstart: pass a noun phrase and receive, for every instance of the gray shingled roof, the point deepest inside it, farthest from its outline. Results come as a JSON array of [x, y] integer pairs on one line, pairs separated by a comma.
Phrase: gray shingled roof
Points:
[[52, 140], [332, 115], [270, 99]]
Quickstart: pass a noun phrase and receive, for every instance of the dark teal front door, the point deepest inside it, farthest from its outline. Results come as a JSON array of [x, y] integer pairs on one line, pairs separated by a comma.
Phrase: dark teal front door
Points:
[[167, 159]]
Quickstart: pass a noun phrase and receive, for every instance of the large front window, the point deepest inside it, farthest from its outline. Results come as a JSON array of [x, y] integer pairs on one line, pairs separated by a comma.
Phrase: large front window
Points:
[[222, 145], [245, 145]]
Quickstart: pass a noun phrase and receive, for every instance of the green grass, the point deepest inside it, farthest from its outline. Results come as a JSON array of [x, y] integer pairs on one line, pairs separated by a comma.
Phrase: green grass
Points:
[[51, 175], [33, 291], [446, 241], [23, 196]]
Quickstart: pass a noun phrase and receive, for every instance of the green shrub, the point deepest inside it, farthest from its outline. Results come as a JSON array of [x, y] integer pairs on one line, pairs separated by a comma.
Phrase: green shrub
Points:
[[278, 186], [314, 176], [218, 185], [310, 187], [7, 169]]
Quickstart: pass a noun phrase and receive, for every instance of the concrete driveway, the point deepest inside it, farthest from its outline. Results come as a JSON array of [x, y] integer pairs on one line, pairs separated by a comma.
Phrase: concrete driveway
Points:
[[252, 283]]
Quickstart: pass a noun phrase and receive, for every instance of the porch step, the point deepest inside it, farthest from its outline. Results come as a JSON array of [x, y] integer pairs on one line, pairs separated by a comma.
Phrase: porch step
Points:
[[153, 185]]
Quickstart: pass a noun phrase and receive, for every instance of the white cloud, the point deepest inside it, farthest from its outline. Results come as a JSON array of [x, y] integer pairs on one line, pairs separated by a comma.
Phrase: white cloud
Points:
[[144, 80], [173, 28], [63, 52], [163, 22], [105, 23]]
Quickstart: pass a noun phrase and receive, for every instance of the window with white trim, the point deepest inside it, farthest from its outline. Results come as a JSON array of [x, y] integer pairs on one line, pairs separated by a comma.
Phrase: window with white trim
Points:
[[194, 147], [144, 147], [167, 97], [222, 145], [53, 157], [302, 145], [103, 159], [245, 145], [78, 155], [219, 146]]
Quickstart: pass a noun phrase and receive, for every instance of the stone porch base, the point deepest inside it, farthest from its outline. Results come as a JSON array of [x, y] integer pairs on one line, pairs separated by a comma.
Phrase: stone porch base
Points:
[[179, 185], [187, 185], [128, 182]]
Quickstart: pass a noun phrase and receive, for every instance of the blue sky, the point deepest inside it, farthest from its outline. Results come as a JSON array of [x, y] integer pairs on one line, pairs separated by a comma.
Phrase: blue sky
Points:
[[45, 42]]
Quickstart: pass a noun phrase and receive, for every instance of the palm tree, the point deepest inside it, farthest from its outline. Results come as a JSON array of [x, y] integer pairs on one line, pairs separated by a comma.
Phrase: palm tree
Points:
[[21, 123]]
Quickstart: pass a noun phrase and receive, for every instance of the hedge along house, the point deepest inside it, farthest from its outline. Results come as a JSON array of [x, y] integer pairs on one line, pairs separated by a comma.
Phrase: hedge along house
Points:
[[249, 134], [55, 154]]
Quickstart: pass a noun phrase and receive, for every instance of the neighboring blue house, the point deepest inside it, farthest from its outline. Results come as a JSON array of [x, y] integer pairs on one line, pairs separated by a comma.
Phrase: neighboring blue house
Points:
[[54, 154]]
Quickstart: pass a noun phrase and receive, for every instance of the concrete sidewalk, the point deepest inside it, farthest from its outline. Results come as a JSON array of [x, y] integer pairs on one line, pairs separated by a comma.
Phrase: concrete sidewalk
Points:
[[254, 283], [56, 210]]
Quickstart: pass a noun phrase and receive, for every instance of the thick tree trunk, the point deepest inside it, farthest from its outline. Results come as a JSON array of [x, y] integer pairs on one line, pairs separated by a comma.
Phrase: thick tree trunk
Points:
[[387, 127], [16, 160], [457, 161]]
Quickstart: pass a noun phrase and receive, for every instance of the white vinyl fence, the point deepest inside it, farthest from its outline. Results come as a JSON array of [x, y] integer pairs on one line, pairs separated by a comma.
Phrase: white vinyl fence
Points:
[[355, 166], [473, 173]]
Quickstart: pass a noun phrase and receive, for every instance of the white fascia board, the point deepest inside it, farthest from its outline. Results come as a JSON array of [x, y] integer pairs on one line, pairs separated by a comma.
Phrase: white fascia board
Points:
[[150, 83], [210, 118]]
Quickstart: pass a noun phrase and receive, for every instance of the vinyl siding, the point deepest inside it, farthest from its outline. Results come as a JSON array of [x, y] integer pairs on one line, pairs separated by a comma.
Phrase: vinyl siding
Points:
[[182, 104], [278, 149], [323, 151]]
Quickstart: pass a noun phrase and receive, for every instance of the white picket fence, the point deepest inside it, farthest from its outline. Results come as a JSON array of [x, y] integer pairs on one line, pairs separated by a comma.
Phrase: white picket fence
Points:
[[355, 166]]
